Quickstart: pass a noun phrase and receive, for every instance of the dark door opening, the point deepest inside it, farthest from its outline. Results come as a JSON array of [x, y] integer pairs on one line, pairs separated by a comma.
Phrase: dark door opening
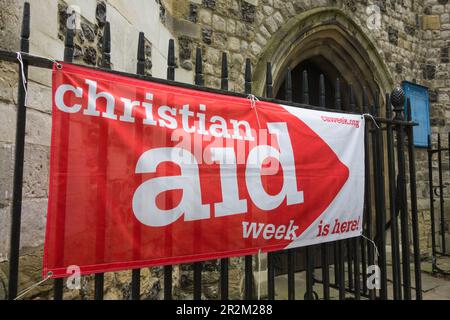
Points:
[[315, 67]]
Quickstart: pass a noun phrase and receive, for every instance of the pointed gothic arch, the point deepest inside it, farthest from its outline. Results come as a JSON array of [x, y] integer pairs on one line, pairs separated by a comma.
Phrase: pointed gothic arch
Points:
[[329, 42]]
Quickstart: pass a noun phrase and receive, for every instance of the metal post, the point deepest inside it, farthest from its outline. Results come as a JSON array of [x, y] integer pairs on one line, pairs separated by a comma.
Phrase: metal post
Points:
[[224, 262], [270, 255], [248, 264], [16, 208], [398, 101], [380, 206], [441, 196], [324, 246], [170, 76], [290, 252], [363, 242], [140, 69], [413, 192], [356, 260], [309, 249], [106, 64], [58, 291], [337, 96], [368, 196], [396, 270], [352, 99], [432, 217], [198, 266], [341, 268]]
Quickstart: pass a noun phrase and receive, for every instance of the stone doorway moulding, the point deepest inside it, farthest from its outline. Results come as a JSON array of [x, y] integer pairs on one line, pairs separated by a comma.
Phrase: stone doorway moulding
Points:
[[331, 38]]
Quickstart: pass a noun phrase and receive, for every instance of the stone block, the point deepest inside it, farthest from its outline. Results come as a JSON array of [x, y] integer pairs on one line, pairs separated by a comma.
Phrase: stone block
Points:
[[8, 82], [34, 213], [205, 16], [38, 128], [36, 170], [218, 23], [7, 123], [431, 22], [39, 97], [6, 172], [234, 44]]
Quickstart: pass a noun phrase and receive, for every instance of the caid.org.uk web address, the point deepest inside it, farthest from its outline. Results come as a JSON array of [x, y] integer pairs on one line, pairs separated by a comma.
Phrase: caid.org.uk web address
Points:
[[341, 120]]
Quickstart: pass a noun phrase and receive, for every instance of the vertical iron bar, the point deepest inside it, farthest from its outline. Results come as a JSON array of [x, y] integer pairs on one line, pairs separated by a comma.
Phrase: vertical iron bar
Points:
[[224, 262], [441, 196], [198, 266], [325, 271], [68, 46], [396, 270], [290, 252], [248, 263], [305, 88], [270, 255], [432, 217], [336, 262], [352, 99], [16, 209], [106, 64], [288, 85], [413, 193], [380, 203], [337, 97], [58, 291], [324, 246], [348, 242], [368, 197], [337, 251], [140, 69], [269, 82], [308, 249], [170, 76], [341, 273], [363, 242], [322, 91], [356, 244], [401, 182], [309, 273]]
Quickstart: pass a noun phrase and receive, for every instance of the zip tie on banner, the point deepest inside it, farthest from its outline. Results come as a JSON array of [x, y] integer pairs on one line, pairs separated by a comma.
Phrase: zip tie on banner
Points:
[[259, 274], [373, 243], [24, 80], [372, 118], [253, 100], [22, 71], [24, 292]]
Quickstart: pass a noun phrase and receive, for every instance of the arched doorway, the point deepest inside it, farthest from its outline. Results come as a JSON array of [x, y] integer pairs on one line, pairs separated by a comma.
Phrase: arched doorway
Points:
[[324, 41]]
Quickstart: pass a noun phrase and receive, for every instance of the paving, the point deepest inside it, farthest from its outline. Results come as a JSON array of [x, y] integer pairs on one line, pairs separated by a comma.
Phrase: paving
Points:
[[435, 286]]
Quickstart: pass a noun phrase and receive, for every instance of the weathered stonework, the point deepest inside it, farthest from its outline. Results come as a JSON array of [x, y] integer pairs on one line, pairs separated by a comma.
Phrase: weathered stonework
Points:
[[412, 43]]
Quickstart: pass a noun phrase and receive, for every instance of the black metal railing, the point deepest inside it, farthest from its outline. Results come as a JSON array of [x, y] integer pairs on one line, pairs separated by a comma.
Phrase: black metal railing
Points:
[[347, 261], [438, 246]]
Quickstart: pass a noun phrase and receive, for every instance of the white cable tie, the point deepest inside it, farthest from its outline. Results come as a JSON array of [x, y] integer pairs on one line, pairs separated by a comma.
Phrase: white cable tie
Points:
[[24, 292], [24, 80], [373, 243], [372, 118], [253, 99]]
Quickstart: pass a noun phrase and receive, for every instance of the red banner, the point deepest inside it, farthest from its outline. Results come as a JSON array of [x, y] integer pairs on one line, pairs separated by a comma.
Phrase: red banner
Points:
[[144, 174]]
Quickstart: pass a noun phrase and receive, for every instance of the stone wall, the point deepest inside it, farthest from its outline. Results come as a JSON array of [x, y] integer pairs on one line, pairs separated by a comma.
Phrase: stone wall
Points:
[[411, 44]]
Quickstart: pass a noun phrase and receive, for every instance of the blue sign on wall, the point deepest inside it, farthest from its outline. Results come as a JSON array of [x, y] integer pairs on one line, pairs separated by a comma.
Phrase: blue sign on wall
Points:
[[420, 111]]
